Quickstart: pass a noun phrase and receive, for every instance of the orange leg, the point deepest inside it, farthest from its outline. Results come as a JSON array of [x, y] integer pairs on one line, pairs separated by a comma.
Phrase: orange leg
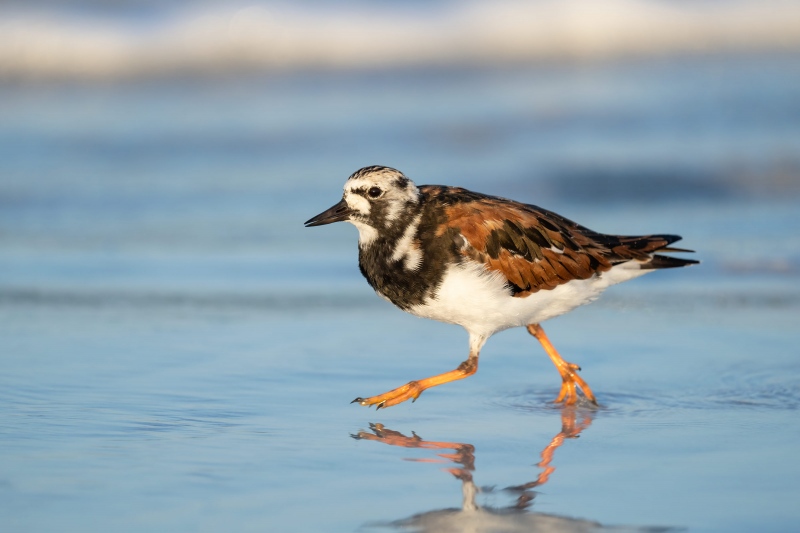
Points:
[[412, 389], [571, 381]]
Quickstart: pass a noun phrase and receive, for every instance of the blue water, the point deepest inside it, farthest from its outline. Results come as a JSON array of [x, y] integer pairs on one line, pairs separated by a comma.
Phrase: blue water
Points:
[[178, 353]]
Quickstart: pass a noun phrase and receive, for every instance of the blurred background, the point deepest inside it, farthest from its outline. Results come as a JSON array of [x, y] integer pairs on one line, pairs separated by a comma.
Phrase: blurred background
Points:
[[158, 291], [145, 143]]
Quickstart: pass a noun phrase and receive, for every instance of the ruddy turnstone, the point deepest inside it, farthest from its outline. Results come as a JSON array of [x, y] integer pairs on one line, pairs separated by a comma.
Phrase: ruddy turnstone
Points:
[[483, 262]]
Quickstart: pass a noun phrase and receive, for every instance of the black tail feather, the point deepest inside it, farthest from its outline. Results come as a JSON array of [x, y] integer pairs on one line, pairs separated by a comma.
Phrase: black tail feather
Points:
[[665, 261], [671, 249]]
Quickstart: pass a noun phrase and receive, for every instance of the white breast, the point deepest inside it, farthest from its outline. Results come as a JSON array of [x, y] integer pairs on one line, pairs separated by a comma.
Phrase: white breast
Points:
[[480, 301]]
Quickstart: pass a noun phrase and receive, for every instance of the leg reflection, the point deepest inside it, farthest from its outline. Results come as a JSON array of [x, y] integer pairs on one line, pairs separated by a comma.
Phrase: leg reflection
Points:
[[515, 517], [571, 428], [574, 420], [462, 454]]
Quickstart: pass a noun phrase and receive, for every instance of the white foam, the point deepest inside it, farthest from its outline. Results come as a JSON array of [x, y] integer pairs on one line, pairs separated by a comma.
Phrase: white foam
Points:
[[215, 39]]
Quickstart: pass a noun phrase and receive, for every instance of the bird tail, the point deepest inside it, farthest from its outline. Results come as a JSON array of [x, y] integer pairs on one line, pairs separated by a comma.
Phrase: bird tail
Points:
[[643, 248], [658, 261], [665, 261]]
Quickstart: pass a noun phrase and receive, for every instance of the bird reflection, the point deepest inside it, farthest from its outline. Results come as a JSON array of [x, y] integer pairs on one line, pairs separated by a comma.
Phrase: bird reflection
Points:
[[478, 519]]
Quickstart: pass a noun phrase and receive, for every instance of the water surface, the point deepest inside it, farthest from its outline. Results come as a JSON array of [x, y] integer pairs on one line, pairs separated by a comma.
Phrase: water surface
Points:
[[179, 353]]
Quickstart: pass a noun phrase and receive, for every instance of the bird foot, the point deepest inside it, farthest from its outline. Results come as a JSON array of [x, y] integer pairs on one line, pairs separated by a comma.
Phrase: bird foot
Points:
[[571, 383], [409, 391]]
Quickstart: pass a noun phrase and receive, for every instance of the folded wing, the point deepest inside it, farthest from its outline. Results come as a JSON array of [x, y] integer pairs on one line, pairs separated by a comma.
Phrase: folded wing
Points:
[[536, 249]]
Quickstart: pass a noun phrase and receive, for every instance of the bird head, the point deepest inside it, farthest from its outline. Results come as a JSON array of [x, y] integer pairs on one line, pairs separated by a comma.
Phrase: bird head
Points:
[[375, 200]]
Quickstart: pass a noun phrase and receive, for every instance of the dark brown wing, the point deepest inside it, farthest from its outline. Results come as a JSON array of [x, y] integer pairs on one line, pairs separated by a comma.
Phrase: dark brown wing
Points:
[[538, 250]]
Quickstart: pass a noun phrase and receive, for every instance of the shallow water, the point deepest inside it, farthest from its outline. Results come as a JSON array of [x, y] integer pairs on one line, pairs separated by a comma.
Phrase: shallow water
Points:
[[179, 353]]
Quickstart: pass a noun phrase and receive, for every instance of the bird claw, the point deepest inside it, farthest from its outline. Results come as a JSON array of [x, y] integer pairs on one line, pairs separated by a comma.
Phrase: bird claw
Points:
[[409, 391]]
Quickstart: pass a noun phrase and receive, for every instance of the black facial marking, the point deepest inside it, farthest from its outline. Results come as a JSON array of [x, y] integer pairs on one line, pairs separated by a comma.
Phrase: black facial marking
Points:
[[405, 288]]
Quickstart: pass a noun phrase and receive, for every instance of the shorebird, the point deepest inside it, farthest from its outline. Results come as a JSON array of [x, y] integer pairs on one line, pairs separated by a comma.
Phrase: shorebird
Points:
[[483, 262]]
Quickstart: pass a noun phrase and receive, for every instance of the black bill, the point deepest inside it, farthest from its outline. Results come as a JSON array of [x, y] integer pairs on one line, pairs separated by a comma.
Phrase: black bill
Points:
[[337, 213]]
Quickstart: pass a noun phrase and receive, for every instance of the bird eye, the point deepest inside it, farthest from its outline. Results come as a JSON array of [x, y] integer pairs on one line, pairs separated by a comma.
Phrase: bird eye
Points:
[[374, 192]]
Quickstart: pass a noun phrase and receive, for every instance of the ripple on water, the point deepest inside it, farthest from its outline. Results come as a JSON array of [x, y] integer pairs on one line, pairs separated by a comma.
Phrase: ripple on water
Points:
[[736, 392]]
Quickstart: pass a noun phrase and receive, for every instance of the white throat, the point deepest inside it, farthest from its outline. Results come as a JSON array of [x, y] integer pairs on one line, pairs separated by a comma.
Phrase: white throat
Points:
[[366, 233]]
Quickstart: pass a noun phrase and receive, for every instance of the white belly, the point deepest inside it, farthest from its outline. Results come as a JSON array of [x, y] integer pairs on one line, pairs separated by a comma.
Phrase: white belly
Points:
[[480, 301]]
